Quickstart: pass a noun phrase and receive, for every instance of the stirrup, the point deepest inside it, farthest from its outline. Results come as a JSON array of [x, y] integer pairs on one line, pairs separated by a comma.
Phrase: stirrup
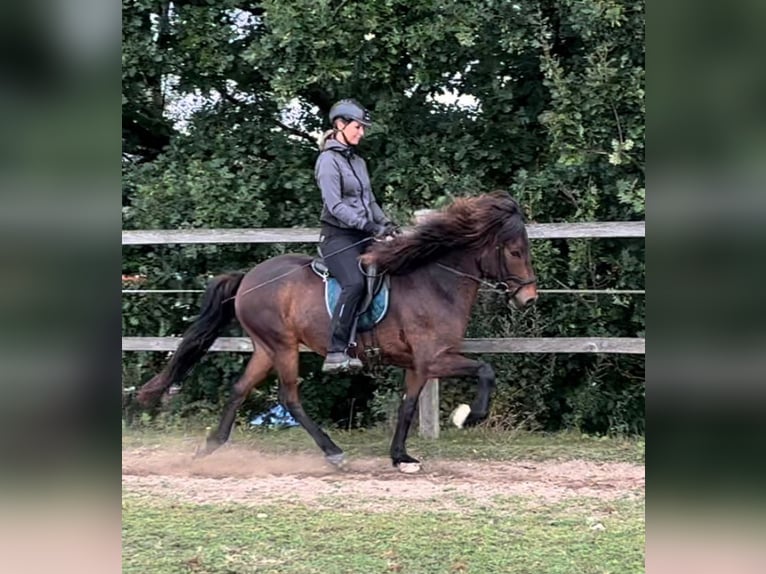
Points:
[[355, 364], [348, 363], [335, 366]]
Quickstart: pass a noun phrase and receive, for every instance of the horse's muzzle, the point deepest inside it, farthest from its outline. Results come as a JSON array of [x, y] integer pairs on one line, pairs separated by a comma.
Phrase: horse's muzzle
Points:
[[526, 304], [524, 299]]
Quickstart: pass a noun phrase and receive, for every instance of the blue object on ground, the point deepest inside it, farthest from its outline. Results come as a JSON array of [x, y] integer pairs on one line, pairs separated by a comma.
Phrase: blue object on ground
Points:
[[276, 417]]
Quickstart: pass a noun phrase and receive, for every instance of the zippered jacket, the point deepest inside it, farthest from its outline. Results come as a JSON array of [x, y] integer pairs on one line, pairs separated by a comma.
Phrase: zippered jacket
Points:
[[342, 177]]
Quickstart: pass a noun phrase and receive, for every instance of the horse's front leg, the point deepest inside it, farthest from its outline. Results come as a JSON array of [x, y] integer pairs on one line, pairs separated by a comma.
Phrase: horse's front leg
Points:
[[414, 385], [442, 366], [459, 366]]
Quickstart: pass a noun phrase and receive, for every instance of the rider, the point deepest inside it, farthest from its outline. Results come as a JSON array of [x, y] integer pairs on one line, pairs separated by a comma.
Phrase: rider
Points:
[[351, 218]]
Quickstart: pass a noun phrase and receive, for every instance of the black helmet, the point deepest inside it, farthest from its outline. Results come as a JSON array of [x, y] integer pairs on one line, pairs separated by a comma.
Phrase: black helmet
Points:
[[350, 110]]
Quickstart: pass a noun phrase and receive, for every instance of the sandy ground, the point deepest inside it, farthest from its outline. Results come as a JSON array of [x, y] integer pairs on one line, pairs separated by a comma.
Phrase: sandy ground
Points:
[[246, 476]]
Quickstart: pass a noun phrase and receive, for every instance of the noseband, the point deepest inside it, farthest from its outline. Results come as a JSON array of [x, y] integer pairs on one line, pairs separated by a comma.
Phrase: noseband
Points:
[[503, 283]]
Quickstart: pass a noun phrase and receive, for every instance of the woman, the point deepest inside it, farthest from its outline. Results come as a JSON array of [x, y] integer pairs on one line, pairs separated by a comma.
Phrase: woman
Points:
[[351, 218]]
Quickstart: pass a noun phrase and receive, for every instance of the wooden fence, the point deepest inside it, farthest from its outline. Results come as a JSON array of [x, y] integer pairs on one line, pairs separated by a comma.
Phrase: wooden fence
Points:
[[429, 401], [311, 235]]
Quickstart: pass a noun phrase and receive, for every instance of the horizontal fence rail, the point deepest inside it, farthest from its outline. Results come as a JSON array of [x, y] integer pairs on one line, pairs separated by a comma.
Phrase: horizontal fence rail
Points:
[[585, 230], [625, 345]]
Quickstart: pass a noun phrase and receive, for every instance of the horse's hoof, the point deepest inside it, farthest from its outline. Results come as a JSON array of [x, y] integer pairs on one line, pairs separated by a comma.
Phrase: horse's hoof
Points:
[[337, 460], [459, 415], [408, 467], [207, 448], [406, 464]]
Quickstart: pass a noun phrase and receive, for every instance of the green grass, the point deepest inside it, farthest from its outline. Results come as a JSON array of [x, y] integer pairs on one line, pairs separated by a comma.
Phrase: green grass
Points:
[[467, 444], [339, 535], [509, 536]]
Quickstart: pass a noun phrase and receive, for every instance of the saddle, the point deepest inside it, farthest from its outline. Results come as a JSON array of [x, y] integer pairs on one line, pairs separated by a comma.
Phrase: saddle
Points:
[[373, 307]]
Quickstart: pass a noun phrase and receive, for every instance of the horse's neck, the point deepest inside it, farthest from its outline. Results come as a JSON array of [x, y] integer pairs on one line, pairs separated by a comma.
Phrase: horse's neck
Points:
[[467, 264], [458, 290]]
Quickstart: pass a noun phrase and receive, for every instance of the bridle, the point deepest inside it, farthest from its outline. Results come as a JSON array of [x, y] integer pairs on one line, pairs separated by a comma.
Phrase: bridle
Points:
[[501, 284]]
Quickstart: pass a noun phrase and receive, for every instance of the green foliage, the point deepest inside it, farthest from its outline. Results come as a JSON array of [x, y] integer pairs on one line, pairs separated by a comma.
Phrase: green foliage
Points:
[[557, 119]]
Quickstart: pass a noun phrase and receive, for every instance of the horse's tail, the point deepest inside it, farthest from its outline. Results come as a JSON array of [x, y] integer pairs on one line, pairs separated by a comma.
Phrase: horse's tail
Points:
[[217, 311]]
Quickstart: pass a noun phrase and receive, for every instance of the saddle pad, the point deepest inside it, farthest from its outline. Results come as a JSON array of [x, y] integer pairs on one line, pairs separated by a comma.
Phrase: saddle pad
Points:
[[367, 320]]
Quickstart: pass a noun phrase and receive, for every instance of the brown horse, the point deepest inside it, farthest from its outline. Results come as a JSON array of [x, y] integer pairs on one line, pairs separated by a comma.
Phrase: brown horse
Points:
[[435, 272]]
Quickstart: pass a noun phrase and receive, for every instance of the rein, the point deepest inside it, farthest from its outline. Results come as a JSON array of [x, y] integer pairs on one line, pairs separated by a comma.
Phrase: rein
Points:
[[278, 277]]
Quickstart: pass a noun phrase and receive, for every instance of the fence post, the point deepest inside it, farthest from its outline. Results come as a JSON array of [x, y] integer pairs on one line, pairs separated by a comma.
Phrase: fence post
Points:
[[428, 410]]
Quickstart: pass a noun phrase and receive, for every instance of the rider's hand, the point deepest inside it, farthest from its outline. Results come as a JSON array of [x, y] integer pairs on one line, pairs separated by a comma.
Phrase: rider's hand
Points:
[[374, 229], [391, 229]]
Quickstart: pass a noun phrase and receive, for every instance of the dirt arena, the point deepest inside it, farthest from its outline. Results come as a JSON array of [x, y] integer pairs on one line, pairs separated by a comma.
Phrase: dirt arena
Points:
[[245, 476]]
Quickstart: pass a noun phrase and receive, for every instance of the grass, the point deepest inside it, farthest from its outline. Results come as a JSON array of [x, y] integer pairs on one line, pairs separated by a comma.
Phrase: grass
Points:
[[471, 444], [514, 537]]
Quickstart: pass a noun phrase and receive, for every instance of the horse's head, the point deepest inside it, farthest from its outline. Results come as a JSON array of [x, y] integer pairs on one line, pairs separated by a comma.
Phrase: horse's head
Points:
[[486, 229], [508, 261], [518, 278]]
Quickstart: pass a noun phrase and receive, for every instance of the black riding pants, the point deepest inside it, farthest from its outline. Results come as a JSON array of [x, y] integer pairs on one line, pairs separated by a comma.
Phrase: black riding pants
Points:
[[341, 256]]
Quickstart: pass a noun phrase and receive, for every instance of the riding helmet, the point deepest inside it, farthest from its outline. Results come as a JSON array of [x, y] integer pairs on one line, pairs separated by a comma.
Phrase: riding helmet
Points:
[[348, 110]]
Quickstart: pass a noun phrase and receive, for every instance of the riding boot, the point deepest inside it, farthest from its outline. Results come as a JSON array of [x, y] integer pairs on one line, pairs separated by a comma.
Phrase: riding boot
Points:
[[338, 359], [343, 334]]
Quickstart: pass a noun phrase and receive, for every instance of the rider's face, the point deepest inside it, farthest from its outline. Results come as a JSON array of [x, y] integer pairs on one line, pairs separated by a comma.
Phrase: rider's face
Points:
[[353, 132]]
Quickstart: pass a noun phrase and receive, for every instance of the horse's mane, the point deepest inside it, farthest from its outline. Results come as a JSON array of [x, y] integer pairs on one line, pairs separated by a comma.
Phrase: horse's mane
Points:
[[471, 223]]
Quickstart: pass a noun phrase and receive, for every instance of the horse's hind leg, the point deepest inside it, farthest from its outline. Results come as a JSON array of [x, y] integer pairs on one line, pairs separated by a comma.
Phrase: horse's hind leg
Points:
[[399, 457], [257, 368], [287, 368]]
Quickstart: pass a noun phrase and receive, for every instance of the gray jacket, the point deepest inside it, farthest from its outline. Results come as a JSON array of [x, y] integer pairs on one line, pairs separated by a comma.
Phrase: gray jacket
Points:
[[348, 201]]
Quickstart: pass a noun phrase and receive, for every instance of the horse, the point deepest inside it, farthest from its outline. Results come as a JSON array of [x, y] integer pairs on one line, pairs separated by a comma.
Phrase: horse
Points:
[[435, 271]]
